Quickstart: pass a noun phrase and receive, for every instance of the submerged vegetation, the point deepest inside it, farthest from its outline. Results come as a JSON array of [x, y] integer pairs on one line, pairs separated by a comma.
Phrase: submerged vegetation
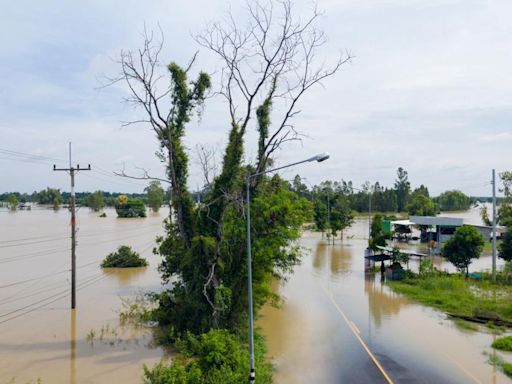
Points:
[[453, 293], [217, 356], [124, 257], [130, 207], [503, 343]]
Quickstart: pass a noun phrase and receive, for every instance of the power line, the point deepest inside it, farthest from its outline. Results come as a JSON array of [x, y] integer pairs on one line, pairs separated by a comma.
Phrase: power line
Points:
[[60, 296], [16, 153], [33, 279]]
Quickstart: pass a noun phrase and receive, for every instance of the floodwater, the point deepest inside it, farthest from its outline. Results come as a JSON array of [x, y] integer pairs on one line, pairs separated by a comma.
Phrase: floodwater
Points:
[[313, 338], [329, 302], [40, 337]]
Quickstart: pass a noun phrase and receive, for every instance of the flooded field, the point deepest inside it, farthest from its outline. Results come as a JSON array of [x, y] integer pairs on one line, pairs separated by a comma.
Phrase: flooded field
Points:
[[40, 337], [313, 338]]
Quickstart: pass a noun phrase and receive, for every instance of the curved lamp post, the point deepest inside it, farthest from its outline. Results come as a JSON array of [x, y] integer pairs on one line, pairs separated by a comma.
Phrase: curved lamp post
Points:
[[318, 158]]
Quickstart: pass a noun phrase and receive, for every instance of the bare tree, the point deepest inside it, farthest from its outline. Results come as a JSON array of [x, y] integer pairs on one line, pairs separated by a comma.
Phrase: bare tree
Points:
[[206, 159], [271, 58], [168, 102]]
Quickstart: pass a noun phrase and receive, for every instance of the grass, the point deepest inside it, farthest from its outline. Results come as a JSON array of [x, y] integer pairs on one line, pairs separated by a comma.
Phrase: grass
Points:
[[503, 343], [507, 369], [457, 295], [465, 325], [488, 246], [498, 361]]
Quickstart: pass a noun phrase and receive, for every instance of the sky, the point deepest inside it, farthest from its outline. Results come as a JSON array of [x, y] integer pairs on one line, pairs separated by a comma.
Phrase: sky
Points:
[[428, 89]]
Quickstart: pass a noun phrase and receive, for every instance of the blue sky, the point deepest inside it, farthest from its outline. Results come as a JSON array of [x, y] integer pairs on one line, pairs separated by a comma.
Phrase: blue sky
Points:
[[429, 89]]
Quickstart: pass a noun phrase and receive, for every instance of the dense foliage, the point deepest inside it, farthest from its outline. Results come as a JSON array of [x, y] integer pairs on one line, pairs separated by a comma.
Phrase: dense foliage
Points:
[[49, 196], [124, 257], [12, 202], [454, 201], [503, 343], [130, 207], [332, 212], [465, 245], [421, 205], [277, 215], [155, 195], [377, 235], [403, 189], [505, 248], [217, 356], [95, 201]]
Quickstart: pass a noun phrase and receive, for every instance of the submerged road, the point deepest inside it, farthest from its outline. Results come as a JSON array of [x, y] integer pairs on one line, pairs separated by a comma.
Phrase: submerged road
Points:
[[338, 325]]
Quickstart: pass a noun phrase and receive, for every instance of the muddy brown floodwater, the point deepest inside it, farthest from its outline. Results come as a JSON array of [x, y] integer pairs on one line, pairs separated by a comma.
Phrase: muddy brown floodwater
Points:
[[40, 337], [313, 338], [329, 301]]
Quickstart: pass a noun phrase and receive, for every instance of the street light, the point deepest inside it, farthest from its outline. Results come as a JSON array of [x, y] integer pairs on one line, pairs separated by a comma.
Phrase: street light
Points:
[[318, 158]]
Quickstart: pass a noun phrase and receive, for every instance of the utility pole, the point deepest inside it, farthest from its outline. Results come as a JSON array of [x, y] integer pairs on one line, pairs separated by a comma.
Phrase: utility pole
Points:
[[72, 172], [493, 225], [369, 213]]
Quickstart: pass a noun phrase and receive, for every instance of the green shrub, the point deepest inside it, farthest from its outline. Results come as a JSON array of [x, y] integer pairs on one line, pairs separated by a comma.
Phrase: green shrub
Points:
[[507, 368], [125, 257], [216, 357], [130, 207], [503, 343]]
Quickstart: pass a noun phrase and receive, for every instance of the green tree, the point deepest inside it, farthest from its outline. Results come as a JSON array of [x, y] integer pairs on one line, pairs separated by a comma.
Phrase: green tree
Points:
[[465, 245], [377, 235], [217, 356], [299, 187], [402, 188], [12, 202], [50, 196], [505, 248], [204, 249], [124, 257], [155, 194], [341, 215], [421, 205], [95, 201], [453, 201]]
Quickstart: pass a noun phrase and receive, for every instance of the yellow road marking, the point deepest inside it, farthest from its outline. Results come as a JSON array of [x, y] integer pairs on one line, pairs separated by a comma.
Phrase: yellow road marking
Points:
[[355, 327], [355, 331], [462, 369]]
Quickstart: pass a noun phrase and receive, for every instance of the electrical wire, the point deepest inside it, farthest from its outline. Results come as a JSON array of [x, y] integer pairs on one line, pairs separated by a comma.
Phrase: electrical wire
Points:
[[58, 297]]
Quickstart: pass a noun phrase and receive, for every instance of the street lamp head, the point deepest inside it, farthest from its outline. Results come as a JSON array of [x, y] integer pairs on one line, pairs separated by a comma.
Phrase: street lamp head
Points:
[[321, 157]]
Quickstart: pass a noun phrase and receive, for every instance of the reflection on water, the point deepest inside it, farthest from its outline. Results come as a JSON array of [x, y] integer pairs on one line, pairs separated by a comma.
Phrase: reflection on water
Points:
[[40, 336], [338, 257], [72, 348], [311, 342], [125, 276], [382, 302]]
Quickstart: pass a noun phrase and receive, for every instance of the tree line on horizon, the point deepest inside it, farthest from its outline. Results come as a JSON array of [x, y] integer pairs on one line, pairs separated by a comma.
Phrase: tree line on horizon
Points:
[[154, 197]]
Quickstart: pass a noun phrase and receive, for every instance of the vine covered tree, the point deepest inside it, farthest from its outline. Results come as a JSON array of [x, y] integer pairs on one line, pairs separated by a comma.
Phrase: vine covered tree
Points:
[[268, 65]]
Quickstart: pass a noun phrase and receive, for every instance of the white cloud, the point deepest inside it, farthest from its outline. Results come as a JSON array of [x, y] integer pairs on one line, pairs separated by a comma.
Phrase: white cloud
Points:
[[428, 90]]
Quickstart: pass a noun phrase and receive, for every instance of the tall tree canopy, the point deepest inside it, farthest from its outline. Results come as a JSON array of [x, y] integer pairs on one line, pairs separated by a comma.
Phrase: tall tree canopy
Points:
[[268, 65], [402, 188]]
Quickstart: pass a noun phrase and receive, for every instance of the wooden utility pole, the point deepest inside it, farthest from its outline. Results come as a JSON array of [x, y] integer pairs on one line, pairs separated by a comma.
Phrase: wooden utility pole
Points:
[[72, 172]]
